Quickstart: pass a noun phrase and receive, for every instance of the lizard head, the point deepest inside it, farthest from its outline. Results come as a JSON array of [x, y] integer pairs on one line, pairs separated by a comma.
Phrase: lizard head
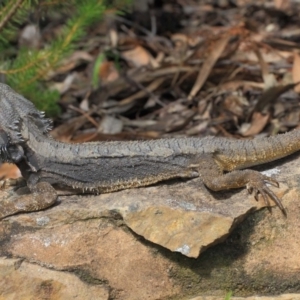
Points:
[[15, 111]]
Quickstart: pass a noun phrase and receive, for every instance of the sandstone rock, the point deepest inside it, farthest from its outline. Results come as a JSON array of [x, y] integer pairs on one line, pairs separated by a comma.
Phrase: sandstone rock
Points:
[[98, 252], [88, 237], [21, 280], [182, 217], [279, 297]]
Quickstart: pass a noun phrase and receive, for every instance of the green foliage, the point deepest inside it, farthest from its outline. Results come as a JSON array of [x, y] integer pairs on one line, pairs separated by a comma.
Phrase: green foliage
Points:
[[95, 77], [27, 69], [12, 15], [228, 295]]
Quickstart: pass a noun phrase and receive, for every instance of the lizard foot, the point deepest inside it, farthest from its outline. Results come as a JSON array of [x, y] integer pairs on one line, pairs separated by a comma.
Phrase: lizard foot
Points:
[[42, 196], [257, 185]]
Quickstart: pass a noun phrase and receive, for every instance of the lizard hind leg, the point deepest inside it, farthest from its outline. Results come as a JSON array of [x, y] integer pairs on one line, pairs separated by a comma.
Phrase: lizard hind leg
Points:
[[213, 177], [42, 196]]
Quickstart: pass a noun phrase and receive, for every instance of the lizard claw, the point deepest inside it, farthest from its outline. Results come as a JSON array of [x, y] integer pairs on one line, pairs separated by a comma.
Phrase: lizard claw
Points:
[[270, 193], [271, 181], [249, 189], [264, 195], [258, 186]]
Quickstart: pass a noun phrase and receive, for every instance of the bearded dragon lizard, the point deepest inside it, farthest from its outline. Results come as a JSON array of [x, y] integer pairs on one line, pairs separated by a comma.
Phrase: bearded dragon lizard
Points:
[[103, 167]]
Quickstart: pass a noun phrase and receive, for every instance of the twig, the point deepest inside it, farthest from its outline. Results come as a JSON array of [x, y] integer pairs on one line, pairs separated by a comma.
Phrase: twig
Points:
[[10, 13]]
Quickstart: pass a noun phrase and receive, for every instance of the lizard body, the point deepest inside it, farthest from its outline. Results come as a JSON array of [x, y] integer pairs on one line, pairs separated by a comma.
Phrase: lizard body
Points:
[[111, 166]]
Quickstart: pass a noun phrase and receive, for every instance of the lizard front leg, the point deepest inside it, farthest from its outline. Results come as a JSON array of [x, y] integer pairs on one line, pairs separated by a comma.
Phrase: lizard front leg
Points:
[[42, 196], [213, 177]]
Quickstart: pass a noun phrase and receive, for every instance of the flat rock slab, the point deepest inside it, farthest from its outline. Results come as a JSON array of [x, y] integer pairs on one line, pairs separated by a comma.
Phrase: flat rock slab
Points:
[[28, 281], [180, 216], [96, 252]]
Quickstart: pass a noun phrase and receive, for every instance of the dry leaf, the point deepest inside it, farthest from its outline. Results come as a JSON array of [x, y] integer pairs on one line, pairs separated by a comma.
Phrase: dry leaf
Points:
[[72, 61], [9, 171], [201, 127], [235, 104], [108, 72], [269, 96], [180, 42], [113, 34], [138, 56], [269, 78], [282, 4], [178, 122], [110, 125], [64, 86], [258, 122], [149, 89], [296, 71], [65, 131], [208, 65], [84, 104]]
